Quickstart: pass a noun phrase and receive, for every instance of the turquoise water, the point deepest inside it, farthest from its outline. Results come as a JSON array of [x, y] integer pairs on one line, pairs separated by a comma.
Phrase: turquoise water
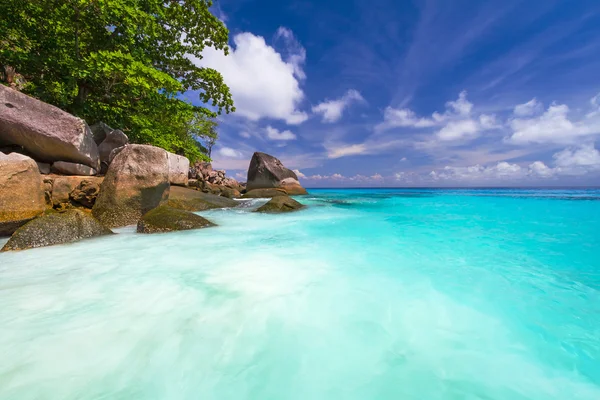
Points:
[[367, 294]]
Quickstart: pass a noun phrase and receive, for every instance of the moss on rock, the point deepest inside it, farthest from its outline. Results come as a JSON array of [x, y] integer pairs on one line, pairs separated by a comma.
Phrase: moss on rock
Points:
[[264, 193], [193, 200], [280, 204], [168, 219], [56, 228]]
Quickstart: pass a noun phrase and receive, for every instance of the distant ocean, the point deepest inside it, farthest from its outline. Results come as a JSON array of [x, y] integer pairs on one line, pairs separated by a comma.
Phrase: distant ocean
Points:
[[367, 294]]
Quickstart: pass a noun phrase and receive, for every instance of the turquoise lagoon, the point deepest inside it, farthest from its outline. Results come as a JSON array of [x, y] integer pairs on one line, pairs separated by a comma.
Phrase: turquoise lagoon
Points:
[[366, 294]]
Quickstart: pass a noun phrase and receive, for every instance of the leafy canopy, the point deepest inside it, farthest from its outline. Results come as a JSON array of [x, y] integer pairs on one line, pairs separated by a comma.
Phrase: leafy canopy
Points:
[[123, 62]]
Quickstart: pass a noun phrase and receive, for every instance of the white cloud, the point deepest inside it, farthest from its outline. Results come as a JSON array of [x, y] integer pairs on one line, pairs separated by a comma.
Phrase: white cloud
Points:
[[229, 152], [346, 150], [577, 161], [454, 124], [553, 126], [377, 177], [595, 102], [455, 130], [262, 83], [245, 134], [338, 177], [332, 110], [299, 174], [538, 168], [530, 108], [461, 106], [275, 134]]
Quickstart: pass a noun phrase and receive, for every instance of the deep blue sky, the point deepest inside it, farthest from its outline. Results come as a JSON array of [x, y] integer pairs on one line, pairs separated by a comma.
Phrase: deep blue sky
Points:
[[414, 93]]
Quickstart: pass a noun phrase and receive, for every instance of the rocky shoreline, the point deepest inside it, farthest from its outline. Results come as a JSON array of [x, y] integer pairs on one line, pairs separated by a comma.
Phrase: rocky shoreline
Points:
[[62, 181]]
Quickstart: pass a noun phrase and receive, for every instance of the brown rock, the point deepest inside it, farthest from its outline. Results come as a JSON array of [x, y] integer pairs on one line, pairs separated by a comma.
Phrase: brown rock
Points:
[[194, 200], [45, 131], [85, 193], [167, 219], [21, 192], [264, 193], [136, 182]]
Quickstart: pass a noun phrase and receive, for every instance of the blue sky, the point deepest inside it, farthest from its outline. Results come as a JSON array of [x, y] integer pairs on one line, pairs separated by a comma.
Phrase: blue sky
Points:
[[414, 93]]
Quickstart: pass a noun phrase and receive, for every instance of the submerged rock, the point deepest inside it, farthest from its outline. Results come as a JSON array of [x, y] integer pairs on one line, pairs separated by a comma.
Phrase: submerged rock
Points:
[[21, 192], [46, 132], [136, 182], [264, 193], [193, 200], [167, 219], [280, 204], [56, 228], [266, 171]]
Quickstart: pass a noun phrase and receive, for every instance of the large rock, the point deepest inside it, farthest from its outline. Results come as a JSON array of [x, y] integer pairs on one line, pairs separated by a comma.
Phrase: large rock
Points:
[[266, 171], [179, 168], [56, 228], [264, 193], [167, 219], [193, 200], [136, 182], [113, 140], [67, 168], [280, 204], [45, 131], [21, 192]]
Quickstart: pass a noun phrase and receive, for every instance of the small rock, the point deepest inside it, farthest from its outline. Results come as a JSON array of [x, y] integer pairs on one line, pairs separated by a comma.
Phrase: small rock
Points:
[[167, 219], [114, 140], [85, 193], [44, 168], [99, 132]]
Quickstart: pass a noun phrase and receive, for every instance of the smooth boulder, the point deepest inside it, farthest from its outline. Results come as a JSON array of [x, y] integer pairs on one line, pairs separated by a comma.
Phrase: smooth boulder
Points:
[[21, 192], [264, 193], [280, 204], [193, 200], [179, 168], [56, 228], [167, 219], [113, 140], [46, 132], [67, 168], [136, 182], [266, 171]]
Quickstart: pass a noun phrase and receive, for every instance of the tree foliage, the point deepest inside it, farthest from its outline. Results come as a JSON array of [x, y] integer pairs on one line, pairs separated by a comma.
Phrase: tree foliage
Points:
[[124, 62]]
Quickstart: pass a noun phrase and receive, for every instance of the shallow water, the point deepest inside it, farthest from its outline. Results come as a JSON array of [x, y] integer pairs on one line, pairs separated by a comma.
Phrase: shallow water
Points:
[[367, 294]]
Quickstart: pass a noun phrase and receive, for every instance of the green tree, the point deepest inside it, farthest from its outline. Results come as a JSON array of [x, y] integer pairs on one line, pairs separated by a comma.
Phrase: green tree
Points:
[[124, 62]]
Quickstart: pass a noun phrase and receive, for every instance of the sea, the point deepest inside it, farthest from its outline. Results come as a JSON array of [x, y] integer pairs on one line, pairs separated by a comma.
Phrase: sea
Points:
[[365, 294]]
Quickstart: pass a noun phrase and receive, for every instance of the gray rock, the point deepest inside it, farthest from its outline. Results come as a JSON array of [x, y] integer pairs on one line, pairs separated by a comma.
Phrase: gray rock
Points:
[[21, 192], [99, 131], [266, 171], [136, 182], [56, 228], [114, 140], [179, 167], [193, 200], [45, 131], [167, 219], [67, 168], [44, 168]]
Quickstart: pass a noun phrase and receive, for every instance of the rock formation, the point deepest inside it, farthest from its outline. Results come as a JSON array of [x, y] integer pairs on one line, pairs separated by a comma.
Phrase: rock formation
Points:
[[204, 178], [56, 228], [136, 182], [114, 139], [193, 200], [168, 219], [21, 192], [179, 167], [266, 171], [280, 204], [264, 193], [44, 131]]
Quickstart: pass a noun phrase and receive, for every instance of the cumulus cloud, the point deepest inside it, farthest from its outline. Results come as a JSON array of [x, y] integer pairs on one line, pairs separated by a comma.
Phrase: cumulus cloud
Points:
[[264, 84], [553, 126], [456, 123], [275, 134], [530, 108], [299, 174], [332, 110], [229, 152]]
